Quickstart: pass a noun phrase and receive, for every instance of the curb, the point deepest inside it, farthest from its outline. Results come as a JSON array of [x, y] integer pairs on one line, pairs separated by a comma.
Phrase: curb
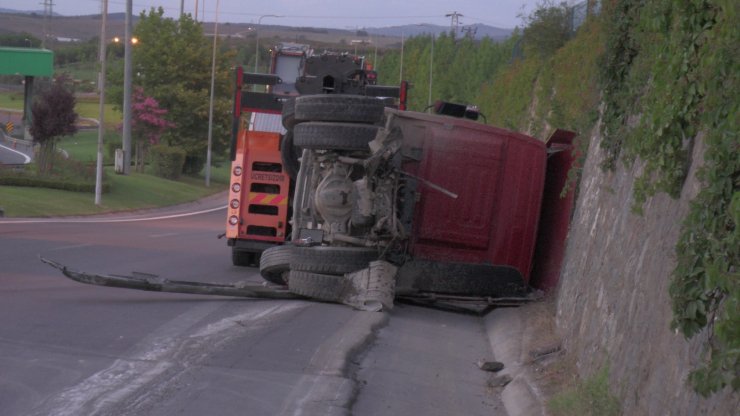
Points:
[[505, 333], [327, 387]]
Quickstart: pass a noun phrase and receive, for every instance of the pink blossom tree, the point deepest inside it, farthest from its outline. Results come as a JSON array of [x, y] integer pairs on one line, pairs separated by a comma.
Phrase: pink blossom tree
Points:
[[147, 125]]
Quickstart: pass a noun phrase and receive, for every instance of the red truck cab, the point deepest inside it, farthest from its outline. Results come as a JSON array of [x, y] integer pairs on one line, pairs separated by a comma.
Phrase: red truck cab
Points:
[[454, 203]]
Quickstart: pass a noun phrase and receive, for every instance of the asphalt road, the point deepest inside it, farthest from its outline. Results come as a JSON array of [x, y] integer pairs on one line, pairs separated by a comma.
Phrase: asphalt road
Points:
[[72, 349], [10, 155]]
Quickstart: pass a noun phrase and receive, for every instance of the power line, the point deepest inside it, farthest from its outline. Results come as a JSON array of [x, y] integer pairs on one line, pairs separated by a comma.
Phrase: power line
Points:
[[295, 16], [48, 4]]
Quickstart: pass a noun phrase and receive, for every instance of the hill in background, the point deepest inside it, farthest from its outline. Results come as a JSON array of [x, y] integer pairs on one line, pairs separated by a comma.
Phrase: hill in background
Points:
[[88, 27]]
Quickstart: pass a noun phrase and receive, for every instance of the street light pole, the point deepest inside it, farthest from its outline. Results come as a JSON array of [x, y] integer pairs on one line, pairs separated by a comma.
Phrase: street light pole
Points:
[[101, 108], [210, 107], [127, 80], [431, 64], [400, 75], [257, 41]]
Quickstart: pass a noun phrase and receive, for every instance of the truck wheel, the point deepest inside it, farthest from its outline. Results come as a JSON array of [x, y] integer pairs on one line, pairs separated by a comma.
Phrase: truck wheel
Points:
[[331, 260], [275, 262], [244, 258], [346, 108], [324, 287], [289, 155], [289, 113], [333, 136]]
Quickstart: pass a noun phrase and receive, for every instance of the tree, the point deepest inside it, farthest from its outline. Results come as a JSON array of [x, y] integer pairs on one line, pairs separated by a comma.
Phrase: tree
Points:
[[53, 118], [462, 67], [172, 63], [147, 125], [547, 28]]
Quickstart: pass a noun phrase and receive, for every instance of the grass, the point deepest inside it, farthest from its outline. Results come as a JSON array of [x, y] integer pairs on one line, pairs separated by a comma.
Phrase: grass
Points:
[[83, 146], [86, 72], [589, 397], [134, 191], [87, 106], [12, 100]]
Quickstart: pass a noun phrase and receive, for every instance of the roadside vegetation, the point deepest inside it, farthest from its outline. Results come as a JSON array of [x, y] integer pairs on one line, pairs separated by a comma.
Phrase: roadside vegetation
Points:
[[129, 192], [588, 397], [672, 68]]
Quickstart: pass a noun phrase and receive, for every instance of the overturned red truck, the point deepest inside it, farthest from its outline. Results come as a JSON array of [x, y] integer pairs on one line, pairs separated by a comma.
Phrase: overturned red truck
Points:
[[333, 176], [341, 195]]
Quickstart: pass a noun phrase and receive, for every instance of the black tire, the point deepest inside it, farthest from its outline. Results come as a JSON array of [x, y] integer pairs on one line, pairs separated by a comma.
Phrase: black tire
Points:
[[289, 113], [333, 136], [275, 263], [244, 258], [344, 108], [331, 260], [323, 287], [289, 155]]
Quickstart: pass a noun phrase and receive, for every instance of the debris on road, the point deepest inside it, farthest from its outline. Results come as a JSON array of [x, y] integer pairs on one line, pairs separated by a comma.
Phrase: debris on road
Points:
[[493, 366]]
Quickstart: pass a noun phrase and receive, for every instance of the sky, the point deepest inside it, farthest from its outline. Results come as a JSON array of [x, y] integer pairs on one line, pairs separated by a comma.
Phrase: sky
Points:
[[340, 14]]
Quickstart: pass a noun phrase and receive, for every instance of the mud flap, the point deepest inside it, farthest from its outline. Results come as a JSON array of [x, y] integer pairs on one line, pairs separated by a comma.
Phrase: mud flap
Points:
[[373, 288]]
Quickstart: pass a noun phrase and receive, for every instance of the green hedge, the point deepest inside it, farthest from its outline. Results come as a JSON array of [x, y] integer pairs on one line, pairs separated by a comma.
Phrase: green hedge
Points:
[[36, 182], [167, 162]]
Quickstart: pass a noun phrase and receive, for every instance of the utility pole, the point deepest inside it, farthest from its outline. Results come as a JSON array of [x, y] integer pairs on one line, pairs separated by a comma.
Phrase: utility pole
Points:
[[401, 71], [101, 107], [127, 75], [454, 22], [257, 41], [431, 65], [48, 4], [182, 8], [210, 109]]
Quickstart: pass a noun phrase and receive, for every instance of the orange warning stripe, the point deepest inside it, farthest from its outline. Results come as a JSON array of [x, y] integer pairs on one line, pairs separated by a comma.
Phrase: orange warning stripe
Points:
[[267, 199]]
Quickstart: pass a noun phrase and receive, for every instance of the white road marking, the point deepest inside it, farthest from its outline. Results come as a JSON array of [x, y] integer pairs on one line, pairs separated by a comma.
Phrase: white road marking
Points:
[[168, 349], [104, 221], [163, 235], [69, 247], [25, 156]]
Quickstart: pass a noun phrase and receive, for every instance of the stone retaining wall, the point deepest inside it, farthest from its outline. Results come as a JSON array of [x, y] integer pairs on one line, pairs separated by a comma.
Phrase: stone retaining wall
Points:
[[613, 305]]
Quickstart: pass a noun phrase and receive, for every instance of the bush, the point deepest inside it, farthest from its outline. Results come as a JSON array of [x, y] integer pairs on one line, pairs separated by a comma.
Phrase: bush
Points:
[[193, 165], [66, 175], [547, 29], [167, 162], [111, 146]]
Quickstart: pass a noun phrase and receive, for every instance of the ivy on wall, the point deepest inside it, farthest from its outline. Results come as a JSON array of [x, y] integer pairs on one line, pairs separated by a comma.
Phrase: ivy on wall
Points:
[[670, 71]]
